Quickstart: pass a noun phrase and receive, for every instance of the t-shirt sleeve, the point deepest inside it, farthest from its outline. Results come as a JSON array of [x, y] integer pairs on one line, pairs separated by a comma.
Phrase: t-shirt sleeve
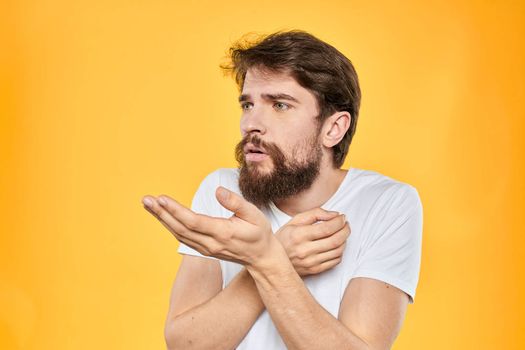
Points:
[[204, 202], [391, 250]]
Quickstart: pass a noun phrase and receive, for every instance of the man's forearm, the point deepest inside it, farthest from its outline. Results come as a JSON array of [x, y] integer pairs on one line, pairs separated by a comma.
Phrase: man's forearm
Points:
[[221, 322], [300, 320]]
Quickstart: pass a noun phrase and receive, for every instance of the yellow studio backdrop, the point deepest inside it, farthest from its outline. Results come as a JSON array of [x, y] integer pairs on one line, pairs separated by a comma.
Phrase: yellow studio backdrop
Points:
[[104, 101]]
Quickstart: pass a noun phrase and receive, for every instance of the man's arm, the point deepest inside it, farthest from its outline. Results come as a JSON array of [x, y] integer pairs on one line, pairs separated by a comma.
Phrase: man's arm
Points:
[[246, 238], [221, 322], [202, 315], [374, 310], [197, 303], [371, 313]]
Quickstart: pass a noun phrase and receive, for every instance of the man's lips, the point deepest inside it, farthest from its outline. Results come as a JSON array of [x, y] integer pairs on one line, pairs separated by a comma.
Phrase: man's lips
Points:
[[250, 148], [255, 157], [253, 153]]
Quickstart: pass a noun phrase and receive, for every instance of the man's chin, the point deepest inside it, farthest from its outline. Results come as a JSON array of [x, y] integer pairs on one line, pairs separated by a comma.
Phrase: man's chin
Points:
[[258, 173], [264, 167]]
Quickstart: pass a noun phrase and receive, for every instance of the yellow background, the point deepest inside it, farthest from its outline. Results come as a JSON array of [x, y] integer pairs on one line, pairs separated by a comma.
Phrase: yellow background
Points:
[[104, 101]]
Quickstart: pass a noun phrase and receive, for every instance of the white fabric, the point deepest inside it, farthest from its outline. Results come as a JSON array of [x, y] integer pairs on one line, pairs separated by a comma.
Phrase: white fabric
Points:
[[386, 221]]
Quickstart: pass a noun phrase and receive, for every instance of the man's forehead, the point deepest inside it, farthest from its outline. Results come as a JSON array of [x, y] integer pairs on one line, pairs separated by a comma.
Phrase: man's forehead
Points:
[[264, 82]]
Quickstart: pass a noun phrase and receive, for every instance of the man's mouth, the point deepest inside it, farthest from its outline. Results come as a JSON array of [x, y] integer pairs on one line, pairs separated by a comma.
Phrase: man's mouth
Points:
[[253, 153], [255, 157], [251, 148]]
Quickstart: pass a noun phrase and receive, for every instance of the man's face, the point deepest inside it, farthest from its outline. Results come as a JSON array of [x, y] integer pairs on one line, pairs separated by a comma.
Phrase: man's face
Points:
[[280, 153]]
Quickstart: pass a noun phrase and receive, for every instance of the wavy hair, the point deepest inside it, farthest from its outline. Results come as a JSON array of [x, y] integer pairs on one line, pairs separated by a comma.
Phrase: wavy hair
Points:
[[314, 64]]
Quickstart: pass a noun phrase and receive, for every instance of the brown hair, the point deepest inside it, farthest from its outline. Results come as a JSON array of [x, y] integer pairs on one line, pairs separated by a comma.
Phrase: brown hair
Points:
[[314, 64]]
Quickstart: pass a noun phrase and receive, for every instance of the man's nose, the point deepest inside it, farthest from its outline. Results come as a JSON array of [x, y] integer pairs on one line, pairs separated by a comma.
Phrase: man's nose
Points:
[[253, 122]]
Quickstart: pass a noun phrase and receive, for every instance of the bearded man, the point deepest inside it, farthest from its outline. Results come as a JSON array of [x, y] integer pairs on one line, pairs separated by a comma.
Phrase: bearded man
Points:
[[289, 250]]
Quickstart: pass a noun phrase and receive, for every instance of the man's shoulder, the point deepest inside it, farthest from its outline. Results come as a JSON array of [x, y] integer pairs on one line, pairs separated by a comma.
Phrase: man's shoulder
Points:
[[372, 178], [372, 183]]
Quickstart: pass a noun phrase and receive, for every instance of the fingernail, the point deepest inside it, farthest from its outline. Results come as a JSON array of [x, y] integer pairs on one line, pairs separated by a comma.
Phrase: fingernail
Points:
[[222, 193], [147, 202], [163, 201]]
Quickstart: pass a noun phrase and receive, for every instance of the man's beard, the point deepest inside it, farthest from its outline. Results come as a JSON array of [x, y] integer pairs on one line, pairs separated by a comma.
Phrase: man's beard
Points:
[[288, 176]]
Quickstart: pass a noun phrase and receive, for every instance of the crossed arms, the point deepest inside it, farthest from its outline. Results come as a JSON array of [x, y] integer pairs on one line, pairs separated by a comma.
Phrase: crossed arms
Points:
[[203, 316]]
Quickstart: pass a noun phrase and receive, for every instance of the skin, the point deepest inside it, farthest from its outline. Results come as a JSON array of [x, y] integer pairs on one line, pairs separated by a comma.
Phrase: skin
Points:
[[286, 123], [371, 312]]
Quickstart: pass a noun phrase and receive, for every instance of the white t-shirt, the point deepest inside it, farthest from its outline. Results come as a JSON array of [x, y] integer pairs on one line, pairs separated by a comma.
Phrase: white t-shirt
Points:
[[386, 221]]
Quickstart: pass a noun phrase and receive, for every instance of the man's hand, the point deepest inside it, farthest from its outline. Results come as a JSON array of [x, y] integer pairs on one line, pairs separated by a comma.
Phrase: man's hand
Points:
[[314, 240], [245, 238]]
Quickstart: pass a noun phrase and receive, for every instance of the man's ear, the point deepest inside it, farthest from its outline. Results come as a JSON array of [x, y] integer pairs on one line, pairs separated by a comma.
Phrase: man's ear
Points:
[[335, 128]]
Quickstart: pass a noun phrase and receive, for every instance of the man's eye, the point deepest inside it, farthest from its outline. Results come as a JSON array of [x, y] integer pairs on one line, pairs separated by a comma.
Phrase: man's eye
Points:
[[282, 106], [246, 105]]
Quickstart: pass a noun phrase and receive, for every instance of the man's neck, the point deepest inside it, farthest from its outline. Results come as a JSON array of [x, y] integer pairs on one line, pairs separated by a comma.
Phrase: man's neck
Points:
[[322, 189]]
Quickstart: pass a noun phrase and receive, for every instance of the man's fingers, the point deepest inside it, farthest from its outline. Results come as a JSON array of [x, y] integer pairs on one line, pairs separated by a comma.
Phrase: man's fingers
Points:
[[326, 228], [327, 265], [330, 242], [193, 221], [239, 206], [193, 239], [312, 216], [165, 218], [317, 259]]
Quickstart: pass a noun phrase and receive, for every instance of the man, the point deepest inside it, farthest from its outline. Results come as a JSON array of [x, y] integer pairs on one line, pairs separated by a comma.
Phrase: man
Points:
[[290, 250]]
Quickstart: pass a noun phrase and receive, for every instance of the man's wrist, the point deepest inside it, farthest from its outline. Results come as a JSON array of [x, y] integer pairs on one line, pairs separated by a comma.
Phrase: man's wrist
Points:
[[273, 264]]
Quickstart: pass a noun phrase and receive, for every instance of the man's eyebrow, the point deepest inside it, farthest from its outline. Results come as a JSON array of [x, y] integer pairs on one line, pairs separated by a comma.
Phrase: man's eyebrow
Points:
[[279, 96]]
